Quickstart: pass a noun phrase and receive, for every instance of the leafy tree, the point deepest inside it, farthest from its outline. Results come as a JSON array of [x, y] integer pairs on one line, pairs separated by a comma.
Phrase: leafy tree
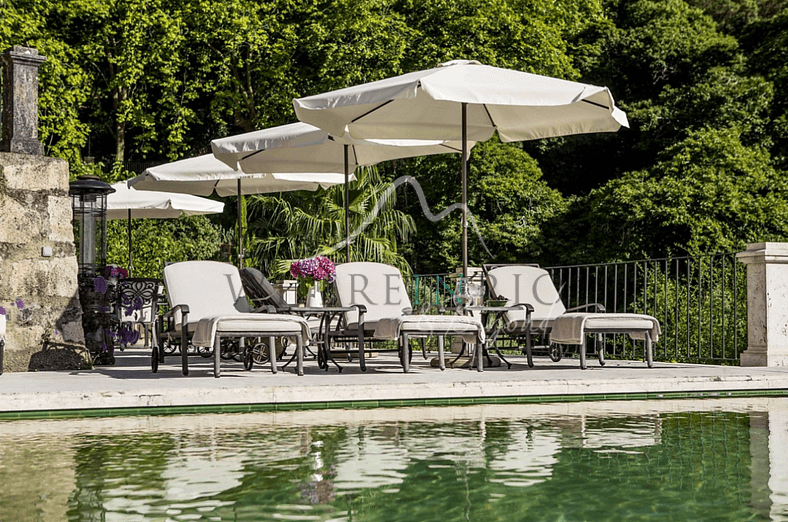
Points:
[[241, 53], [766, 44], [650, 58], [708, 193], [155, 242], [131, 50], [508, 201], [529, 36], [301, 224]]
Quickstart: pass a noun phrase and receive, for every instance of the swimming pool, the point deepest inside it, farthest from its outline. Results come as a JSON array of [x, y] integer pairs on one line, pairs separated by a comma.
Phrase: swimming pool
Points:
[[723, 459]]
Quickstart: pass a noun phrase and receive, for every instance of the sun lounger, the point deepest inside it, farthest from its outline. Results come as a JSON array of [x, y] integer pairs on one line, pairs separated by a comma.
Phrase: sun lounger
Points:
[[208, 304], [381, 311], [529, 284]]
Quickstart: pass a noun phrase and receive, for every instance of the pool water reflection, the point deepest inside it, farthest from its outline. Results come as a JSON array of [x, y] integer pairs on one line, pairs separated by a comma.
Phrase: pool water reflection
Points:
[[724, 459]]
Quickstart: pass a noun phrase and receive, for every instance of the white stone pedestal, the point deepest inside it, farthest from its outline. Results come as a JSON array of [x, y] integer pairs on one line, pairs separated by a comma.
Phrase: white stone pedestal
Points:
[[767, 304]]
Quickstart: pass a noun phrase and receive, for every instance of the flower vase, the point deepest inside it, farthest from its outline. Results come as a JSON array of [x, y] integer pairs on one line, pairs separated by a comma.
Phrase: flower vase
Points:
[[314, 299]]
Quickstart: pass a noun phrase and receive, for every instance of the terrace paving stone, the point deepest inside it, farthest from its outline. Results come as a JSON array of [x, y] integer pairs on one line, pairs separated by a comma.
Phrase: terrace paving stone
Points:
[[130, 387]]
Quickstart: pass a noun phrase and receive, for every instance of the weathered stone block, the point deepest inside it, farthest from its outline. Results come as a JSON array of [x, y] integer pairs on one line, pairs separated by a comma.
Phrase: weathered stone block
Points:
[[20, 224], [59, 212], [36, 173], [38, 280]]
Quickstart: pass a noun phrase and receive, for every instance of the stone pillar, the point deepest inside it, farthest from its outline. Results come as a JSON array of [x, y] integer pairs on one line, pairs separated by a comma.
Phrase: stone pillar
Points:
[[20, 101], [767, 304], [38, 266]]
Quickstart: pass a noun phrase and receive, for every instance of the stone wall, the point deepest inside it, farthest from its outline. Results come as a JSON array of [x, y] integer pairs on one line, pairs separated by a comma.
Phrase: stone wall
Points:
[[38, 266]]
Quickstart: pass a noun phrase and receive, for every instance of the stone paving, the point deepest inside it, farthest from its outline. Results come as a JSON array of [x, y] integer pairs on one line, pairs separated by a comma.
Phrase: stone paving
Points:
[[130, 384]]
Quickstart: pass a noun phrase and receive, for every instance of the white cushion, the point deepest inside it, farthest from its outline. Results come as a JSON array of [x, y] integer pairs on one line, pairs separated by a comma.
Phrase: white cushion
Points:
[[526, 285], [209, 288], [377, 286]]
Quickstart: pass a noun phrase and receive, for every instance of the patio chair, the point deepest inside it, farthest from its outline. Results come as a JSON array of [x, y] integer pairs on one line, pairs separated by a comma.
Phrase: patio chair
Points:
[[380, 310], [521, 284], [208, 304], [138, 303]]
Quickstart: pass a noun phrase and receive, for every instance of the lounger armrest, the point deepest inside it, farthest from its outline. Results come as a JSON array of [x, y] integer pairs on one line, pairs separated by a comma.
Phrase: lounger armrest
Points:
[[265, 309], [361, 311], [528, 307], [597, 307], [184, 310]]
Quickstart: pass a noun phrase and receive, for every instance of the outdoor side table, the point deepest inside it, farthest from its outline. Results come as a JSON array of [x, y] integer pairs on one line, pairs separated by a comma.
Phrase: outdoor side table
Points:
[[493, 315], [327, 316]]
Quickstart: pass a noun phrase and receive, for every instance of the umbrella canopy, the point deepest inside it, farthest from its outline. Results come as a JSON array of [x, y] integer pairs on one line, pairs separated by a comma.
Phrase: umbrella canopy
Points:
[[300, 147], [423, 105], [463, 100], [127, 203], [205, 175]]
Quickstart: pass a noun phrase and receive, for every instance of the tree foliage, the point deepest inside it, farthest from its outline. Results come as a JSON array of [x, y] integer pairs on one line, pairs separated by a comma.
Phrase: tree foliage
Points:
[[301, 225], [701, 168]]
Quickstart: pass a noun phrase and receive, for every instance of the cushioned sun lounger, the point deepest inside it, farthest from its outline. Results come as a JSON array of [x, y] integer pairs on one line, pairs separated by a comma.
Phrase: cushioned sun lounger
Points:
[[208, 304], [381, 311], [529, 284]]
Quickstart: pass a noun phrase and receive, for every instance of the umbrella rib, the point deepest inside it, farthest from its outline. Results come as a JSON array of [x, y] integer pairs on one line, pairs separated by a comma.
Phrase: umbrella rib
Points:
[[489, 115], [455, 149], [597, 104], [354, 120], [252, 154]]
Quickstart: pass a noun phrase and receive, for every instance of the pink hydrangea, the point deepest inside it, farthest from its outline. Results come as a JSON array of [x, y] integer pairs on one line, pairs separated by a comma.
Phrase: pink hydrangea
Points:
[[116, 271], [317, 268]]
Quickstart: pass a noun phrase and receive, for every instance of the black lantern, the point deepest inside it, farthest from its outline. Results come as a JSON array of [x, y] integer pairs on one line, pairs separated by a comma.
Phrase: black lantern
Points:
[[89, 204]]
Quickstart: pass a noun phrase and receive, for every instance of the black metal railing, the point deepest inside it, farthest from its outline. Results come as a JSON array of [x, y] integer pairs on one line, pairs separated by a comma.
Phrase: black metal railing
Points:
[[701, 302], [433, 290]]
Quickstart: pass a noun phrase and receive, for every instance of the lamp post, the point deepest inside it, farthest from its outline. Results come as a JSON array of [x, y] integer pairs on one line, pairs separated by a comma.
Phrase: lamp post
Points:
[[89, 206]]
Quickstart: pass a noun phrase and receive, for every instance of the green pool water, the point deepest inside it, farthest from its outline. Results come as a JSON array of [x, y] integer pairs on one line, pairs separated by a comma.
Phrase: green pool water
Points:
[[710, 460]]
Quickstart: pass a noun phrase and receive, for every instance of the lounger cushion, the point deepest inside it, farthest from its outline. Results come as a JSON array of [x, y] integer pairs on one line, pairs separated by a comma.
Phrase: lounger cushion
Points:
[[572, 327], [470, 328], [521, 284], [537, 323], [210, 288], [377, 286], [253, 324]]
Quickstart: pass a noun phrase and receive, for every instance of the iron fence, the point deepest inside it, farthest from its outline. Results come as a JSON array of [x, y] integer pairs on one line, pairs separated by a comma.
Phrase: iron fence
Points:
[[701, 302]]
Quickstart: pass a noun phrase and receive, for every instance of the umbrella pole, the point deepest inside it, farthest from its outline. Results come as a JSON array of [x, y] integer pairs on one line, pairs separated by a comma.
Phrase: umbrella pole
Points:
[[464, 170], [347, 207], [129, 223], [240, 230]]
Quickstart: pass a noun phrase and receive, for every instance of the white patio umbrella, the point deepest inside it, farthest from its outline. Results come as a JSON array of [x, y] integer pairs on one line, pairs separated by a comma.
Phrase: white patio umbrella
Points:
[[301, 147], [128, 203], [463, 100], [204, 175]]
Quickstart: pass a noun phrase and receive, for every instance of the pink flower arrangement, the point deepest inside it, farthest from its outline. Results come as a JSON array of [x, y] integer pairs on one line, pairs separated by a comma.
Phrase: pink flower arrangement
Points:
[[116, 271], [316, 268]]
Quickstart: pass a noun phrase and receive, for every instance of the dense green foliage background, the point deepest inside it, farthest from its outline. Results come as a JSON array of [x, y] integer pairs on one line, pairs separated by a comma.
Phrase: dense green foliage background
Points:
[[703, 168]]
